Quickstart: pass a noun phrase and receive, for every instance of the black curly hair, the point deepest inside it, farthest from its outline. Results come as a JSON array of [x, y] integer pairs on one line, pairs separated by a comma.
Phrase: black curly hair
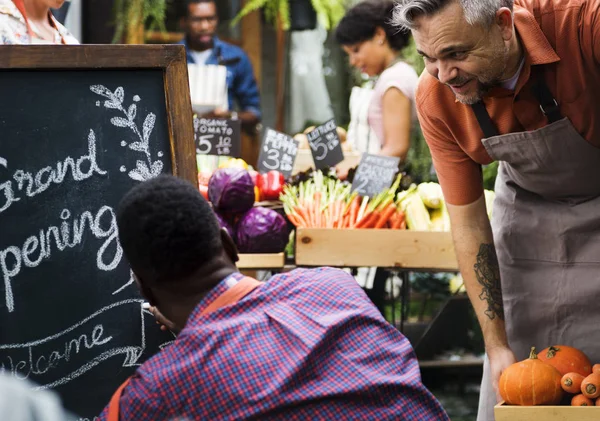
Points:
[[167, 229], [361, 21]]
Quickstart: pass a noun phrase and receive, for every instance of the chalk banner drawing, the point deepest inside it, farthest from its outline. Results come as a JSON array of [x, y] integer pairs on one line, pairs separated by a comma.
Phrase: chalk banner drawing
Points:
[[71, 316]]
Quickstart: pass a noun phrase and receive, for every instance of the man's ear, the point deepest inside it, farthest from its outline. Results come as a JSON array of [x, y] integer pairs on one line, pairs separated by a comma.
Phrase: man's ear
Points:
[[229, 245], [145, 291], [504, 20]]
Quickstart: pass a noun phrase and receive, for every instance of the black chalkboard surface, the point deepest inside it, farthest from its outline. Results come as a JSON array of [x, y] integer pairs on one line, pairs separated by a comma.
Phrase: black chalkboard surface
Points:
[[72, 143], [374, 174], [325, 145]]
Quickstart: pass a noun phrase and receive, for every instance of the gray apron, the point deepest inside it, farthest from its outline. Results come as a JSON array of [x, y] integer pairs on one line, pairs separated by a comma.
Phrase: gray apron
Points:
[[546, 225]]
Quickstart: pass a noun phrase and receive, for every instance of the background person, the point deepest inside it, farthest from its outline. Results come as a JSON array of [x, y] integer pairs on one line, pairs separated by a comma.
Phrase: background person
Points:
[[31, 22], [204, 47]]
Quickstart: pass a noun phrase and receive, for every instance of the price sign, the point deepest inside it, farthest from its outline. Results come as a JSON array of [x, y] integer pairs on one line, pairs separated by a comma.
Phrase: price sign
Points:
[[374, 174], [277, 152], [325, 145], [218, 136]]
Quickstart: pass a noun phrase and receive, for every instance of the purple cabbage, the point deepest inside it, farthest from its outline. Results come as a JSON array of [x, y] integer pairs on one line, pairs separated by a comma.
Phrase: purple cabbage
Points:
[[261, 230], [231, 190], [224, 223]]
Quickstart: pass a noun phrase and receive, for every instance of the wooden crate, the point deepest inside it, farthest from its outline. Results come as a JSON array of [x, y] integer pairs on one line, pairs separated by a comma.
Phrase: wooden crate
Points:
[[261, 261], [375, 247], [504, 412], [304, 160]]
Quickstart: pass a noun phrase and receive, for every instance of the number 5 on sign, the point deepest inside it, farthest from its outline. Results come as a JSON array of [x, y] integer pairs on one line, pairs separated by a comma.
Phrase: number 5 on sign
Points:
[[204, 144], [320, 146]]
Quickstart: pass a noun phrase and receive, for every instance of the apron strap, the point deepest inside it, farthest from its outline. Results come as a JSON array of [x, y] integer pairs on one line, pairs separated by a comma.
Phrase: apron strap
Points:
[[484, 120], [548, 105], [234, 294], [113, 406]]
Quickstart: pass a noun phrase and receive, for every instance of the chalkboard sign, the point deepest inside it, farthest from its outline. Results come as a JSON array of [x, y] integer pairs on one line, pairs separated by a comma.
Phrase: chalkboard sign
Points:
[[277, 152], [218, 136], [374, 174], [88, 124], [325, 145]]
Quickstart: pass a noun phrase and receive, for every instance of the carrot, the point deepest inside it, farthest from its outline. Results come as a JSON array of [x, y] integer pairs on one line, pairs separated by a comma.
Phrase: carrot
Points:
[[385, 215], [364, 220], [317, 209], [398, 221], [293, 220], [376, 217], [571, 382], [580, 400], [354, 208], [302, 216], [340, 211]]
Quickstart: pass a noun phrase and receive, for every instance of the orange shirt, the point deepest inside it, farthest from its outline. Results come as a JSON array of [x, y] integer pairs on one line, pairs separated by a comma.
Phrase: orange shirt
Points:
[[560, 38]]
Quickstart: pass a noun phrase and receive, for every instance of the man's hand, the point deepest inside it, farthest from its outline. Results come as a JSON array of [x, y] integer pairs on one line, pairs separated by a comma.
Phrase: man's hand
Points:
[[163, 321], [216, 113], [500, 358]]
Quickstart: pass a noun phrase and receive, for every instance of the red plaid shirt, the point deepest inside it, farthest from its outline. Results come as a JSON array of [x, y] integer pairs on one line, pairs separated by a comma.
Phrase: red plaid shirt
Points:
[[305, 345]]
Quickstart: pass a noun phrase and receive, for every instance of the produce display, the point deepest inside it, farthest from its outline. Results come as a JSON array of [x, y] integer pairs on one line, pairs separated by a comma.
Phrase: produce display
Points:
[[326, 202], [232, 192], [320, 200], [267, 187], [547, 378]]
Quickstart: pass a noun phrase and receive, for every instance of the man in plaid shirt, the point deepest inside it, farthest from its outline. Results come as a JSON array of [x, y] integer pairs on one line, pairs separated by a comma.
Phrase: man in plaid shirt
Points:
[[304, 345]]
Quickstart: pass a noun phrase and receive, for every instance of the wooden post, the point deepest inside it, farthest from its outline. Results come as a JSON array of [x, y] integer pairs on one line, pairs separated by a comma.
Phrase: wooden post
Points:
[[280, 77], [135, 23]]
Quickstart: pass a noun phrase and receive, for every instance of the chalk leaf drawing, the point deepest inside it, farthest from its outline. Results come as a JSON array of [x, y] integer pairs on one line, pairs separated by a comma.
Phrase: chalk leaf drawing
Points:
[[149, 168]]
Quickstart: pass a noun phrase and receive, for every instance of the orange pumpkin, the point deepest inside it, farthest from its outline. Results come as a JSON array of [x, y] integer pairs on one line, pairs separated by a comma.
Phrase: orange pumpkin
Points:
[[566, 359], [596, 368], [531, 382], [598, 402], [580, 400]]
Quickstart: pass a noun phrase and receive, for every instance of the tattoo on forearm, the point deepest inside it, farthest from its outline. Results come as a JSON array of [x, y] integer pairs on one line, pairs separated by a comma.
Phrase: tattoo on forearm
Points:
[[488, 275]]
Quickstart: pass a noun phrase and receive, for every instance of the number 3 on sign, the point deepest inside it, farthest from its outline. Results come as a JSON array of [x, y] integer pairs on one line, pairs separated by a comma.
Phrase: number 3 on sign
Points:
[[273, 156], [316, 148], [206, 143]]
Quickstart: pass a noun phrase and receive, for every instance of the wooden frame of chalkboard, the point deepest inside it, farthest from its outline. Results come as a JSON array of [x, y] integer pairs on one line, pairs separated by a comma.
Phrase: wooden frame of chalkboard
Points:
[[170, 58]]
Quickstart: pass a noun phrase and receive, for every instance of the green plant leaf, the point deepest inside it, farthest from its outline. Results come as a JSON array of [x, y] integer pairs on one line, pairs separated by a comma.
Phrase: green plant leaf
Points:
[[251, 6]]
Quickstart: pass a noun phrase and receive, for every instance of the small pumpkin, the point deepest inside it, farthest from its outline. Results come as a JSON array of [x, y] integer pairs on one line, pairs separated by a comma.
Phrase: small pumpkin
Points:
[[566, 359], [580, 400], [598, 402], [590, 386], [596, 368], [531, 382], [571, 382]]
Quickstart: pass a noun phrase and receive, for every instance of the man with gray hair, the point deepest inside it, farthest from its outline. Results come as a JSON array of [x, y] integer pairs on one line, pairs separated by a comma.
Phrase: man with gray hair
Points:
[[517, 84]]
